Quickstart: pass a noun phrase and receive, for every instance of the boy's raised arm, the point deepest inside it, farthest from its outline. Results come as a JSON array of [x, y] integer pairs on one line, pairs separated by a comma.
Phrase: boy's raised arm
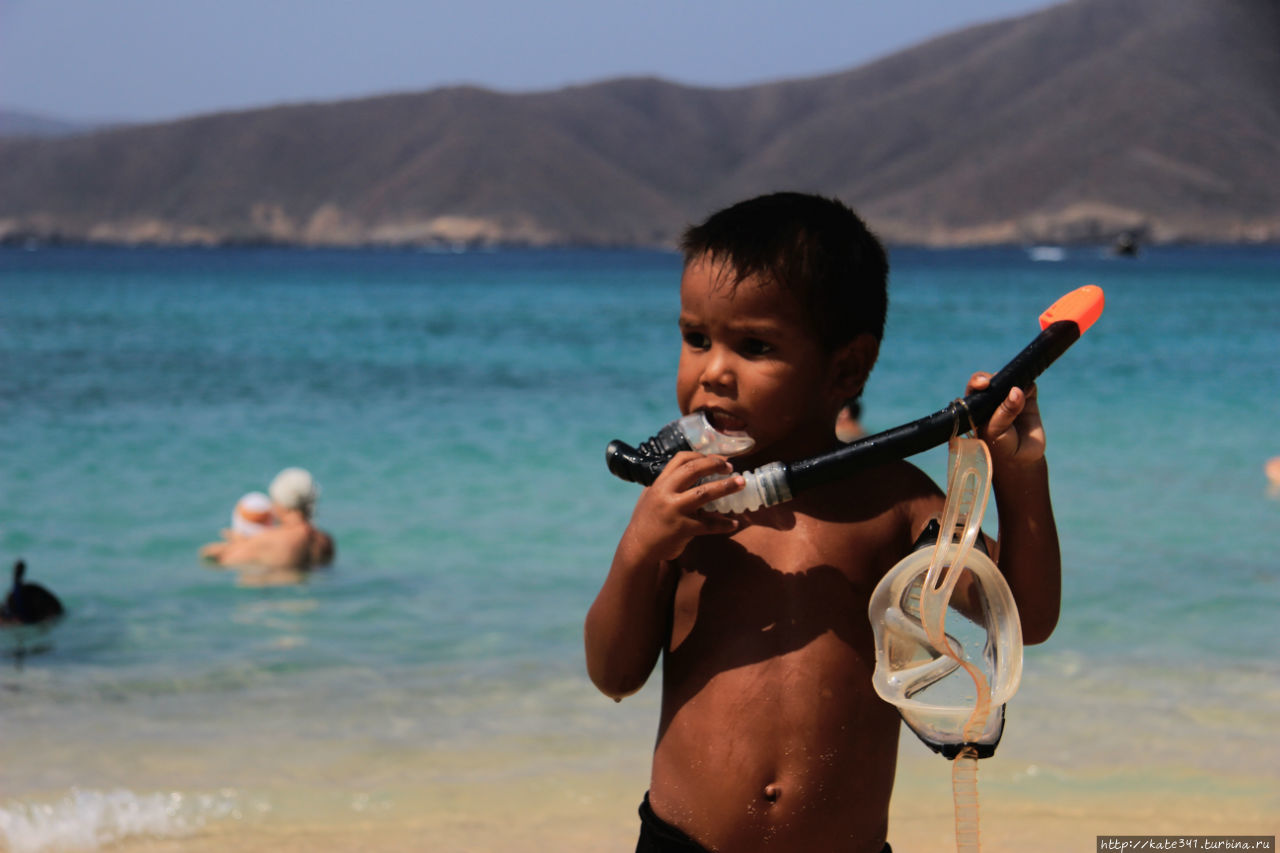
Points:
[[1027, 551], [629, 620]]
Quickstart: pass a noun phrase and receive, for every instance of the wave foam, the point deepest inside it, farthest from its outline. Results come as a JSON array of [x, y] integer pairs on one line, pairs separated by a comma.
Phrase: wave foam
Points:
[[90, 820]]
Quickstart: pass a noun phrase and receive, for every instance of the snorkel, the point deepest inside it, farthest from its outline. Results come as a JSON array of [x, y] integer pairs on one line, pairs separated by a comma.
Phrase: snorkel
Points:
[[1061, 325]]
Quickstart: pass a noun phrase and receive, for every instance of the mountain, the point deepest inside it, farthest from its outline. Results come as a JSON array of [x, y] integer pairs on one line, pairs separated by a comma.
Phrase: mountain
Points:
[[1076, 123], [20, 123]]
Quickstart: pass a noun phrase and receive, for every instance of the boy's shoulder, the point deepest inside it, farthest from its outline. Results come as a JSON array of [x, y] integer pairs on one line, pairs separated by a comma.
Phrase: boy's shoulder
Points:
[[895, 483], [897, 494]]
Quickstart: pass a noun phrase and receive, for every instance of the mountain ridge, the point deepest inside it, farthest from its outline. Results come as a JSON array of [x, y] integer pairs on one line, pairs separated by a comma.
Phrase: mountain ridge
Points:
[[1072, 124]]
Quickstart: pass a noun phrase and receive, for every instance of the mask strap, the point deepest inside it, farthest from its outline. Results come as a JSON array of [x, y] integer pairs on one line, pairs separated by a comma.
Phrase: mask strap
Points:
[[968, 488]]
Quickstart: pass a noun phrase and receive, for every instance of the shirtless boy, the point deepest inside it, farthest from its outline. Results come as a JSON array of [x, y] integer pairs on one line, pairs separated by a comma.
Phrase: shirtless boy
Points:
[[771, 736]]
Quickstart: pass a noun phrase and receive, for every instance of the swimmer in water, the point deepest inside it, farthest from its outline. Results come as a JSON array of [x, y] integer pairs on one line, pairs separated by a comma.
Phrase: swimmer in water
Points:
[[849, 422], [251, 515], [28, 603], [293, 543]]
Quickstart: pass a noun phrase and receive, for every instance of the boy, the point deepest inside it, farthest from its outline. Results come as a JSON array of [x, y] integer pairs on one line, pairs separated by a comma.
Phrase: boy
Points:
[[771, 736]]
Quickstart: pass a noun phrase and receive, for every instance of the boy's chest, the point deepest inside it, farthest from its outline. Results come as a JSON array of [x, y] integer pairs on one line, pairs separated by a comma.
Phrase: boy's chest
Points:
[[797, 572], [862, 551]]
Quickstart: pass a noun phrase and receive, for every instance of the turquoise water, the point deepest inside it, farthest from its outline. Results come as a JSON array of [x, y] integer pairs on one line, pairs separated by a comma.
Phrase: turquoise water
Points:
[[455, 409]]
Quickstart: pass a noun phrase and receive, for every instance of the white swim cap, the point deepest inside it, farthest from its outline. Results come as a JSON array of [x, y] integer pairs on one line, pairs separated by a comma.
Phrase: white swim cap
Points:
[[295, 489], [252, 514]]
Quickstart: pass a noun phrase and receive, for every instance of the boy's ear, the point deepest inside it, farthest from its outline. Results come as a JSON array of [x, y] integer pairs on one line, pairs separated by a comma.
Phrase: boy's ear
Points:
[[851, 365]]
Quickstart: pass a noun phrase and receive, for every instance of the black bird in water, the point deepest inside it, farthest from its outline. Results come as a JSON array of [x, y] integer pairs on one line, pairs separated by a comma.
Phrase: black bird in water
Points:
[[28, 603]]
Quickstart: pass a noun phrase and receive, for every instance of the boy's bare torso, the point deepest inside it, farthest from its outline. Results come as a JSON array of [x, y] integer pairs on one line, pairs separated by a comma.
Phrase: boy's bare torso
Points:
[[771, 735]]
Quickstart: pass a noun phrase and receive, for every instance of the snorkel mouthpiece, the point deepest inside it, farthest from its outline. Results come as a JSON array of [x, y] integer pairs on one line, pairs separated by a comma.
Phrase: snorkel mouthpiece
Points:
[[705, 438], [1061, 325], [643, 464]]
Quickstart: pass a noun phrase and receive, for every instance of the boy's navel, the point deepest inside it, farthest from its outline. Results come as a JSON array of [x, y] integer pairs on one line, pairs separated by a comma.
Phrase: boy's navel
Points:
[[772, 792]]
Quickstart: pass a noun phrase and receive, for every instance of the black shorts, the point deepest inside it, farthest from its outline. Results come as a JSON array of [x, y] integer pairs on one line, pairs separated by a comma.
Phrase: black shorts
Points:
[[658, 836]]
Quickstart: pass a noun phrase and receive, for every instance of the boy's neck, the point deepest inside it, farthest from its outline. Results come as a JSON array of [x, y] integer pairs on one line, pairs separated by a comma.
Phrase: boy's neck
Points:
[[802, 444]]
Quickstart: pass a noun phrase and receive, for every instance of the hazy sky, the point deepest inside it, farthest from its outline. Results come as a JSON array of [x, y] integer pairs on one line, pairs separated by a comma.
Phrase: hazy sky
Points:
[[156, 59]]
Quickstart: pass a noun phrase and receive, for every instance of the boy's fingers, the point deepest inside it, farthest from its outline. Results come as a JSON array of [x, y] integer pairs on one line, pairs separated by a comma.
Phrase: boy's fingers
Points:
[[713, 490], [1014, 403], [714, 522], [1005, 414], [688, 467], [717, 522], [977, 382]]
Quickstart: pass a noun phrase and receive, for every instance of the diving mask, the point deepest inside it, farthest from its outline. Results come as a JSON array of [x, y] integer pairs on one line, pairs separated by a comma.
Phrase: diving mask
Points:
[[948, 639]]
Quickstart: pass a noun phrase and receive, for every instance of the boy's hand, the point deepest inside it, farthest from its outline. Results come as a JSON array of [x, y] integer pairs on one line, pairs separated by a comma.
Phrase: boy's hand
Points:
[[1014, 433], [670, 512]]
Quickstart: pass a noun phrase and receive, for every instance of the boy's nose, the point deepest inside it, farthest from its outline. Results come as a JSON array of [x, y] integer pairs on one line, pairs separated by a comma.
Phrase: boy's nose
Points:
[[717, 371]]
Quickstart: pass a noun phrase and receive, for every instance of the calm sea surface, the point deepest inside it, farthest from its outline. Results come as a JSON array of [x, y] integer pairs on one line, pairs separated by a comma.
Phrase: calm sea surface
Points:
[[455, 410]]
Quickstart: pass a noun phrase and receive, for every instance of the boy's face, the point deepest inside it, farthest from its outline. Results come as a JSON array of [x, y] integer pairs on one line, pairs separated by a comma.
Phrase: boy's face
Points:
[[751, 361]]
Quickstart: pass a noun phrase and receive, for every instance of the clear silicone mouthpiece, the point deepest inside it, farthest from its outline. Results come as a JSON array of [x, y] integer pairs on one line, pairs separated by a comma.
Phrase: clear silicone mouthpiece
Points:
[[704, 438], [766, 485]]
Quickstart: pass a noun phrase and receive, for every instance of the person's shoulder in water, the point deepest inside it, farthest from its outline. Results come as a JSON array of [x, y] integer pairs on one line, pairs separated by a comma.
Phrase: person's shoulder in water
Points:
[[293, 542]]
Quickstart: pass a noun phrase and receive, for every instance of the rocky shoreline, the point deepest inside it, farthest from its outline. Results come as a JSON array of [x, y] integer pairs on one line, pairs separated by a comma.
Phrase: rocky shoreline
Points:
[[1078, 227]]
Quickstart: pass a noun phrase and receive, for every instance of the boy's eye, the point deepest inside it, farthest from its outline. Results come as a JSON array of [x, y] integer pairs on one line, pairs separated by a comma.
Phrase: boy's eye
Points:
[[697, 340], [755, 346]]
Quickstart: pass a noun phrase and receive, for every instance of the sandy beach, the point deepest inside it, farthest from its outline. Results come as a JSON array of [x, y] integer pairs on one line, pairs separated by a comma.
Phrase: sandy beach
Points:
[[576, 810], [1056, 783], [524, 793]]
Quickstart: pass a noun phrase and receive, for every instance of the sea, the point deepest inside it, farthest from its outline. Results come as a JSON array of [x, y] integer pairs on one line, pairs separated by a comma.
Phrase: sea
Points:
[[454, 407]]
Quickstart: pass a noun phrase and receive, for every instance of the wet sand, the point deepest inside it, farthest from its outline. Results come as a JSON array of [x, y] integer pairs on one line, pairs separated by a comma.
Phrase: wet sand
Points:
[[592, 809]]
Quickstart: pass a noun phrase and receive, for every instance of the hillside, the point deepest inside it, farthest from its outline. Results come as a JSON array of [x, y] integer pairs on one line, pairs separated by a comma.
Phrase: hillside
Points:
[[18, 123], [1074, 123]]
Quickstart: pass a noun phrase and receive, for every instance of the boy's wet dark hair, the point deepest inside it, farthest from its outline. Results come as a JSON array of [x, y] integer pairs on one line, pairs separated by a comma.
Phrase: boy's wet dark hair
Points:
[[814, 246]]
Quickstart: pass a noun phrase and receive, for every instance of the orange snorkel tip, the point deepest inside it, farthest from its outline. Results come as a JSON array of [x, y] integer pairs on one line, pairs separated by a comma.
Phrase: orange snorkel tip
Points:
[[1082, 306]]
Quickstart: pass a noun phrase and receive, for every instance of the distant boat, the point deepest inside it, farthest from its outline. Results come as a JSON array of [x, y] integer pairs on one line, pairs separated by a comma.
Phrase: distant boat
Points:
[[1125, 246], [1047, 253]]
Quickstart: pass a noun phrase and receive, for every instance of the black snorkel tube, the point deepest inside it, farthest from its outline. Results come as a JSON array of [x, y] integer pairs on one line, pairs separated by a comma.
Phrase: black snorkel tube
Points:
[[1061, 325]]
